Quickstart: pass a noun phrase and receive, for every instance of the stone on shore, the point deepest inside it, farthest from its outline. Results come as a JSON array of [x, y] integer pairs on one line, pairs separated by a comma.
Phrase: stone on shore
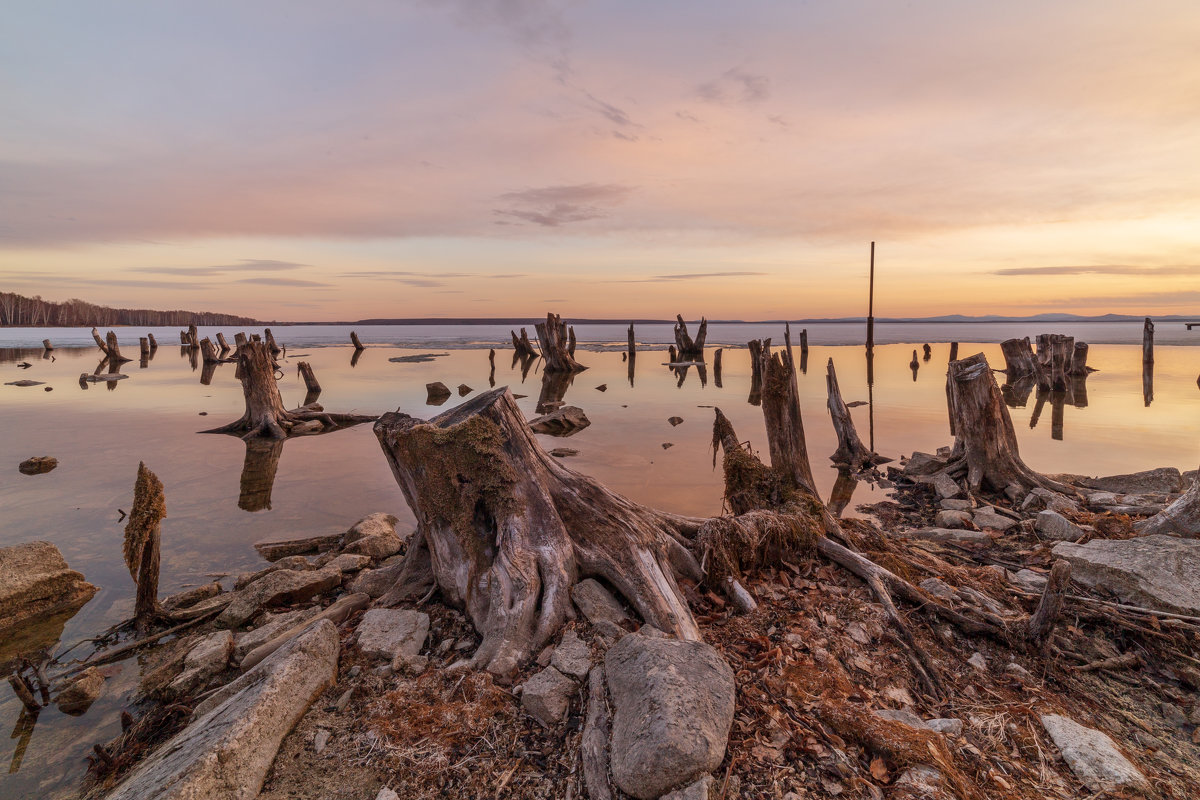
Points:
[[1166, 480], [270, 626], [987, 518], [276, 588], [599, 607], [572, 657], [673, 705], [234, 736], [392, 632], [1091, 755], [273, 551], [956, 535], [695, 791], [79, 694], [1159, 572], [925, 464], [208, 658], [35, 583], [547, 696], [375, 536], [1053, 525], [37, 465], [953, 519], [565, 421]]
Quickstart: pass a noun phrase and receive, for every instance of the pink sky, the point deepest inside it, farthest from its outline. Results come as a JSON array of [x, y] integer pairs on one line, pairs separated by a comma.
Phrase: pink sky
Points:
[[296, 160]]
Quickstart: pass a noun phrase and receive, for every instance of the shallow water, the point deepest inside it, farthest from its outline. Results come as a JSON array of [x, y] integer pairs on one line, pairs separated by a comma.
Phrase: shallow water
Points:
[[217, 508]]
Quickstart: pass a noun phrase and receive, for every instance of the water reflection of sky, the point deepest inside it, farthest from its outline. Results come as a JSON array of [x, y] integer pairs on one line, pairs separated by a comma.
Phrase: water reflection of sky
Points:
[[322, 484]]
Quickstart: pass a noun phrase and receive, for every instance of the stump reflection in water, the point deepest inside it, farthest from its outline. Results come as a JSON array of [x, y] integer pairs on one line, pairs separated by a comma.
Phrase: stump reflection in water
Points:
[[258, 473]]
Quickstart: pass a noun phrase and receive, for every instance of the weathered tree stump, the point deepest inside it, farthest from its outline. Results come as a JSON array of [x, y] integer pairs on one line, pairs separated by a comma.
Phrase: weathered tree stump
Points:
[[851, 453], [505, 530], [632, 348], [1148, 341], [571, 341], [193, 336], [522, 344], [954, 351], [208, 352], [144, 347], [99, 342], [142, 535], [781, 411], [985, 442], [803, 342], [239, 340], [153, 342], [275, 348], [928, 351], [717, 367], [759, 348], [183, 339], [915, 364], [1018, 359], [225, 348], [554, 339], [690, 349], [113, 350], [358, 345], [46, 345], [1079, 359], [311, 384], [492, 367], [265, 414]]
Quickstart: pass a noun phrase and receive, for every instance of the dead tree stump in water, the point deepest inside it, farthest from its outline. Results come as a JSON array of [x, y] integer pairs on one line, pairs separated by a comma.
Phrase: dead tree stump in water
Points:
[[1079, 359], [113, 350], [522, 345], [760, 349], [492, 367], [1148, 341], [717, 366], [928, 351], [239, 340], [275, 348], [99, 342], [208, 352], [265, 414], [142, 535], [781, 411], [571, 341], [690, 349], [803, 342], [46, 345], [311, 384], [153, 342], [358, 345], [144, 347], [505, 530], [954, 351], [225, 348], [985, 442], [632, 348], [851, 452], [553, 338], [193, 337], [1018, 359]]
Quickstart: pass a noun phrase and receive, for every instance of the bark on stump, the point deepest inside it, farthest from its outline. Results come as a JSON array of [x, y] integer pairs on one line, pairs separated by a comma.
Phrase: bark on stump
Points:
[[144, 346], [781, 412], [46, 345], [141, 550], [554, 339], [505, 530], [986, 443], [193, 336], [265, 414], [690, 349]]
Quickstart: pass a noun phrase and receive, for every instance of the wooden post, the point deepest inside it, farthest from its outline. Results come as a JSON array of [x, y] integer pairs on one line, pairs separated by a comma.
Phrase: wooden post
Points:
[[46, 344], [144, 344], [142, 534], [871, 303], [954, 351], [803, 341], [1148, 341], [717, 366], [153, 342], [1148, 382], [632, 347], [310, 380], [358, 345]]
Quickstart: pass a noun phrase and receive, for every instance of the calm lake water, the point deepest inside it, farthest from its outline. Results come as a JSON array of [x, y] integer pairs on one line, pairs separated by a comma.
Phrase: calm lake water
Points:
[[322, 484]]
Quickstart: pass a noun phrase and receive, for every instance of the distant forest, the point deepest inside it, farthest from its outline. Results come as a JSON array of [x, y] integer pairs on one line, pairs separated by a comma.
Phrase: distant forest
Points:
[[17, 310]]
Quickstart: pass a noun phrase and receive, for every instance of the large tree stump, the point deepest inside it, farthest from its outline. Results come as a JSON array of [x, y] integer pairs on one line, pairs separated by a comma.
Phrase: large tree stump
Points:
[[209, 352], [522, 345], [554, 338], [1018, 359], [193, 337], [505, 530], [985, 442], [265, 414], [225, 348], [690, 349], [141, 550], [851, 452], [781, 411], [113, 350]]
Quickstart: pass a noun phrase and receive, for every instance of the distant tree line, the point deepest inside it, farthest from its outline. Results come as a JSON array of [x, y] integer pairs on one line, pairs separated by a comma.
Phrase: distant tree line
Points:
[[18, 310]]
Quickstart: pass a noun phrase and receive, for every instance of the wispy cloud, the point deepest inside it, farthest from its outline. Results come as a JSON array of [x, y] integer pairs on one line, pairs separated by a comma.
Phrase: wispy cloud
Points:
[[552, 206], [1102, 269], [267, 280], [736, 86], [692, 276], [246, 265]]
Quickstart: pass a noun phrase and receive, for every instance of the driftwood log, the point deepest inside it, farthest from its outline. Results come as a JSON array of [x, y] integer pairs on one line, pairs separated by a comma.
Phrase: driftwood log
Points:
[[556, 342], [851, 452], [358, 345], [142, 539], [265, 414], [985, 444], [690, 349], [504, 530]]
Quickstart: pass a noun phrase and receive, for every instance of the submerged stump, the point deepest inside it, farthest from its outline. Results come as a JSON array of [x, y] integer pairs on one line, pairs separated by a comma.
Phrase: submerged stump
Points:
[[558, 345]]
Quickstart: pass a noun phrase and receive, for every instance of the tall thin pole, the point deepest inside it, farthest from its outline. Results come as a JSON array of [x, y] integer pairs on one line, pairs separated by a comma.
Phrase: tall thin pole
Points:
[[871, 303]]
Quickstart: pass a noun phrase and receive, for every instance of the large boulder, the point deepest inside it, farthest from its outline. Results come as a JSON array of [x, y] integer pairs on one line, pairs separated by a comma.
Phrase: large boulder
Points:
[[375, 536], [276, 588], [673, 703], [233, 737], [35, 582], [391, 632], [1091, 755], [78, 695], [1160, 572], [1166, 480]]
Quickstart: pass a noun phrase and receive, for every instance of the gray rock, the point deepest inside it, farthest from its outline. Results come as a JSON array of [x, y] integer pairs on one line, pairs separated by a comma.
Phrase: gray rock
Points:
[[206, 659], [951, 504], [1039, 499], [436, 393], [565, 421], [320, 741], [349, 562], [375, 582], [229, 746], [1166, 480], [572, 656], [273, 551], [925, 464], [36, 583], [938, 588], [1091, 755], [946, 487], [987, 518], [960, 536], [385, 793], [37, 465], [547, 696], [1029, 580], [270, 626], [78, 695], [953, 519], [900, 715], [1013, 668], [391, 632], [1160, 572], [1055, 526], [599, 607], [375, 536], [694, 791], [978, 662], [921, 781], [673, 704], [947, 726], [276, 588]]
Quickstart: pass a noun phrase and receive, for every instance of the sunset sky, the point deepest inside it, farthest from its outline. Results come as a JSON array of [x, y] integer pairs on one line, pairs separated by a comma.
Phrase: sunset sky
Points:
[[320, 161]]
